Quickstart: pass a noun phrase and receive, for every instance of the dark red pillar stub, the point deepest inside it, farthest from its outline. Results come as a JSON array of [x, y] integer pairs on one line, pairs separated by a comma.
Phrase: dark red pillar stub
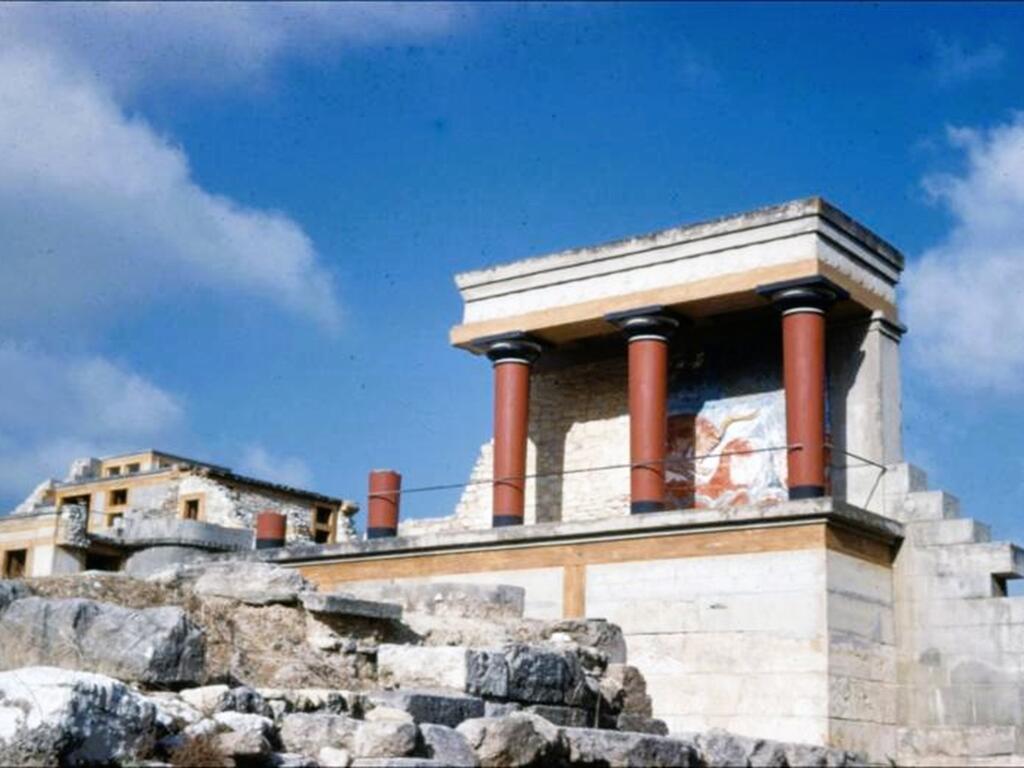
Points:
[[512, 355], [648, 331], [271, 529], [803, 304], [382, 504]]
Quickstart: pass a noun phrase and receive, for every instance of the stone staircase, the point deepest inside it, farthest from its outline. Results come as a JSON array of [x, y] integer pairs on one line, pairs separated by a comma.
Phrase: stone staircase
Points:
[[961, 638]]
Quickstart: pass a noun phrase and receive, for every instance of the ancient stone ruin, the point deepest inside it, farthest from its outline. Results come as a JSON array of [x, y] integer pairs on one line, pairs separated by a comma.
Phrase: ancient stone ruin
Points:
[[243, 663]]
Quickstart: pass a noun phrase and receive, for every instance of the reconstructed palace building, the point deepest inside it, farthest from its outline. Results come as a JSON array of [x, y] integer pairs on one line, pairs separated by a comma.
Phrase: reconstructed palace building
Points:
[[697, 435]]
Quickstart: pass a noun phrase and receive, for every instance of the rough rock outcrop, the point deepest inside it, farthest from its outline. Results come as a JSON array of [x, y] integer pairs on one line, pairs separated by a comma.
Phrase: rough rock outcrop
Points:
[[152, 645], [50, 716]]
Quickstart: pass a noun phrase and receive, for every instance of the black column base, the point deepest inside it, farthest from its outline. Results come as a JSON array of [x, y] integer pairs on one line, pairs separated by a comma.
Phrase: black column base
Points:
[[269, 543], [502, 521], [798, 492], [381, 533], [642, 507]]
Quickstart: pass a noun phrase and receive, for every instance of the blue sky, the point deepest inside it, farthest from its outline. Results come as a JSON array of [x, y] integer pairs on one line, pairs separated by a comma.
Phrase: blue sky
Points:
[[231, 230]]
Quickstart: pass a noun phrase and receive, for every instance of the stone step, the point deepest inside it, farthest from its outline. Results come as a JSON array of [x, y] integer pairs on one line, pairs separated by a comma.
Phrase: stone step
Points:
[[962, 530], [901, 479], [996, 558], [920, 506]]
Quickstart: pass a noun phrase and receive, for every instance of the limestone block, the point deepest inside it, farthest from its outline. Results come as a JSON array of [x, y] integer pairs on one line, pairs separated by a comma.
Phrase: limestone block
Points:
[[869, 700], [244, 699], [307, 733], [513, 741], [586, 746], [150, 645], [431, 706], [447, 746], [52, 716], [640, 724], [456, 599], [599, 634], [294, 760], [385, 738], [206, 698], [250, 582], [173, 713], [423, 666], [624, 689], [331, 757], [245, 736], [487, 673], [572, 717], [339, 604]]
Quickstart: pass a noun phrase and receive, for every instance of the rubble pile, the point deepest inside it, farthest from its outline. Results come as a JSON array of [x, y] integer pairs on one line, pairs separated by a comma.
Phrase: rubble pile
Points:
[[240, 663]]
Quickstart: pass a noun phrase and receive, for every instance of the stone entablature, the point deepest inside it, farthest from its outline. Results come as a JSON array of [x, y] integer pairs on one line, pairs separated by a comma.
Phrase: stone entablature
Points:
[[702, 269]]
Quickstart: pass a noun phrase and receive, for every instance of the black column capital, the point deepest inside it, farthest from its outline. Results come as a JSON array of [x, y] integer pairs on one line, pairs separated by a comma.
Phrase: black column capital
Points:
[[805, 293], [515, 347], [653, 322]]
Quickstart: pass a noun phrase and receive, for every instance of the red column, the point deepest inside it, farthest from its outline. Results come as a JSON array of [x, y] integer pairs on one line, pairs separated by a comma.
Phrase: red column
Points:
[[803, 304], [648, 331], [382, 504], [803, 355], [512, 357]]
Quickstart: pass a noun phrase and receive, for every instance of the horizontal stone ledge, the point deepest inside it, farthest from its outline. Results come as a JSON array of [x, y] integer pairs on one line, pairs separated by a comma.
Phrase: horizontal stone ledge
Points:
[[337, 604], [807, 511]]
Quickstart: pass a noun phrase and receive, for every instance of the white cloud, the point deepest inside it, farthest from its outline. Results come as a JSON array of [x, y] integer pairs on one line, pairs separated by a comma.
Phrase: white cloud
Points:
[[99, 212], [53, 409], [954, 64], [965, 297], [212, 44], [289, 470]]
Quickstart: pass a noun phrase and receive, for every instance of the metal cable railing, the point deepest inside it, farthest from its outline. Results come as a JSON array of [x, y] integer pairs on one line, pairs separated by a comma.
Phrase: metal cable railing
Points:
[[521, 479], [561, 473]]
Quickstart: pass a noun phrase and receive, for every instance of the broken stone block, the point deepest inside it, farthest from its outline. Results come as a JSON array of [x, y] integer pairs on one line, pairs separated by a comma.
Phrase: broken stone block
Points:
[[331, 757], [500, 708], [340, 604], [570, 717], [487, 673], [423, 666], [248, 582], [245, 735], [295, 760], [623, 689], [447, 746], [515, 741], [627, 721], [540, 676], [599, 634], [172, 712], [392, 737], [52, 716], [307, 733], [205, 698], [720, 749], [589, 746], [465, 600], [243, 699], [148, 645], [431, 706]]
